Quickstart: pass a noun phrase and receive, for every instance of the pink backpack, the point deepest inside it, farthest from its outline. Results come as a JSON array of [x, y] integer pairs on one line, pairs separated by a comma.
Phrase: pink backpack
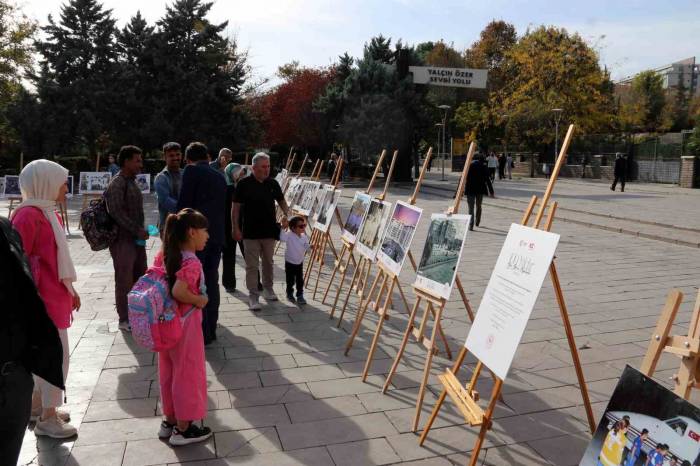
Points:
[[153, 315]]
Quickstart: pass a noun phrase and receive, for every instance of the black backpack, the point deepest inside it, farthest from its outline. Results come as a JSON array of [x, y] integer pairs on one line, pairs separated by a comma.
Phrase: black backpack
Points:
[[99, 228]]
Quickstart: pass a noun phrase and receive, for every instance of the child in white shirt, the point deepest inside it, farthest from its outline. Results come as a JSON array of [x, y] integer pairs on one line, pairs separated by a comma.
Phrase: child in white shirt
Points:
[[297, 245]]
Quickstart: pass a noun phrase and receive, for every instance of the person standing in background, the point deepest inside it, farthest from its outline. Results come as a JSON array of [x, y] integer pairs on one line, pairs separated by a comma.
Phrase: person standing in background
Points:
[[128, 251], [204, 190], [620, 172], [112, 166], [492, 163], [168, 181], [509, 166], [224, 158], [478, 184]]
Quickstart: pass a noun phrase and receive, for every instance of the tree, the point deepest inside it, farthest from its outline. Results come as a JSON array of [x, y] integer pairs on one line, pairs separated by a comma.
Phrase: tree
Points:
[[489, 52], [549, 68], [645, 101], [16, 35], [74, 84]]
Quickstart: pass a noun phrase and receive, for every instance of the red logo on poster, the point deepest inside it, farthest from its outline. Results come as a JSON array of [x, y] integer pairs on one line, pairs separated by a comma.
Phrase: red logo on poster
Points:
[[531, 246], [489, 341], [694, 436]]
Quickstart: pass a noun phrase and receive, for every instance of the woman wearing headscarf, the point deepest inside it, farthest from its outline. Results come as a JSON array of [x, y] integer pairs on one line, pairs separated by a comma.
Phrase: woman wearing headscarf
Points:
[[43, 183]]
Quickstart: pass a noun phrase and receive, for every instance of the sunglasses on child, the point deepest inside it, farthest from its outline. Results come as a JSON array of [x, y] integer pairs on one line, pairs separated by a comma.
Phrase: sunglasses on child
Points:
[[301, 225]]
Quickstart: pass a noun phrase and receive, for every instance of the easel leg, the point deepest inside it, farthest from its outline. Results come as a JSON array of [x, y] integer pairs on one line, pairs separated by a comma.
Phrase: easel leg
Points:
[[338, 264], [465, 300], [441, 399], [442, 336], [320, 263], [486, 424], [572, 345], [355, 277], [362, 309], [404, 342], [380, 322], [312, 257], [427, 367]]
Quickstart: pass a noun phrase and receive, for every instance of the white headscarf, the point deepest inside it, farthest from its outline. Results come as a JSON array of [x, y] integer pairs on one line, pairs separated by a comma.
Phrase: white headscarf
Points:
[[39, 183]]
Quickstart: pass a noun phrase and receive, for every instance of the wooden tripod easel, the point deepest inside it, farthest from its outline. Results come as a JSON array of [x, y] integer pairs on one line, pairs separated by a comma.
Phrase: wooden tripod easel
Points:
[[687, 347], [320, 239], [346, 256], [467, 398], [434, 305]]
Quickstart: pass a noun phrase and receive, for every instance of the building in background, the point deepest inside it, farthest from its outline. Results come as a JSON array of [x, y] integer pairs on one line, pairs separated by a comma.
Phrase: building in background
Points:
[[681, 74]]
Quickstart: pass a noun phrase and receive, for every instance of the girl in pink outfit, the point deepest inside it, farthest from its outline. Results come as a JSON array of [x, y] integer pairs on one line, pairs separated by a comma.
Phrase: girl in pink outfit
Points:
[[43, 183], [181, 370]]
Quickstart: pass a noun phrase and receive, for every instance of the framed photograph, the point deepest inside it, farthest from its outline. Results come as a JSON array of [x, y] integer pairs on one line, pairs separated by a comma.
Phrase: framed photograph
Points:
[[143, 181], [11, 189], [442, 253], [316, 205], [281, 177], [293, 191], [307, 197], [358, 210], [398, 235], [93, 182], [2, 187], [645, 424], [325, 212], [372, 228], [69, 183]]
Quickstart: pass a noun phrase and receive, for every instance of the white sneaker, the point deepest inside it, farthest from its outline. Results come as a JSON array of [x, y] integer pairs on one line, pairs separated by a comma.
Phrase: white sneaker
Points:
[[124, 325], [269, 295], [165, 430], [253, 303], [54, 428]]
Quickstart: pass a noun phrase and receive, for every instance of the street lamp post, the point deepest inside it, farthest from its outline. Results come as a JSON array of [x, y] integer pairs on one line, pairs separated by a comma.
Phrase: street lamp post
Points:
[[439, 129], [446, 108], [557, 117]]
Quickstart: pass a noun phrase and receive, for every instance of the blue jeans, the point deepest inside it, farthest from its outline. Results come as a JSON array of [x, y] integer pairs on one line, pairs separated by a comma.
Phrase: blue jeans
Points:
[[210, 257]]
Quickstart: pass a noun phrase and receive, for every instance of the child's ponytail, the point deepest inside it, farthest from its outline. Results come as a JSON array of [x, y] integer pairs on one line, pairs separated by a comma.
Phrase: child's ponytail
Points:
[[176, 227]]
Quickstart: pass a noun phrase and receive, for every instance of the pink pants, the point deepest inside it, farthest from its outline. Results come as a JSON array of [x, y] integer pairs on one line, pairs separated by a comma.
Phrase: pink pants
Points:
[[182, 373]]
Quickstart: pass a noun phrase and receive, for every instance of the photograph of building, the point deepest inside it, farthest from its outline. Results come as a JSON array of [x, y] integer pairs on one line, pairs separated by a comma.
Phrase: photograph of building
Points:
[[372, 228], [292, 190], [11, 188], [306, 199], [398, 235], [441, 253], [358, 210], [325, 212]]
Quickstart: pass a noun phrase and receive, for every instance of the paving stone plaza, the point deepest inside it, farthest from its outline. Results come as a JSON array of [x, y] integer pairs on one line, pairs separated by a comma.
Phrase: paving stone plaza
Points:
[[281, 391]]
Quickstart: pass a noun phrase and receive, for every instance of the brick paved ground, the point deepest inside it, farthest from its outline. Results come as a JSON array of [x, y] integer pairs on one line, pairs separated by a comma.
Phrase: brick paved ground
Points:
[[282, 392]]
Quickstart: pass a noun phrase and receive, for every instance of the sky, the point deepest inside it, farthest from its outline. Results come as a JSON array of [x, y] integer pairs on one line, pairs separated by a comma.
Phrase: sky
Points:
[[630, 35]]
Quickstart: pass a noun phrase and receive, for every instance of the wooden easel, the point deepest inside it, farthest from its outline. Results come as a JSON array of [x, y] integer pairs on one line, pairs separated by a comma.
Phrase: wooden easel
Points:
[[434, 306], [687, 347], [467, 398], [322, 239], [346, 256]]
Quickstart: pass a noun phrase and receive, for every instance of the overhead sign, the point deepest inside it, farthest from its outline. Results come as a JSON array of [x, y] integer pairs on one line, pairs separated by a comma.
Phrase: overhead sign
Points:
[[449, 77]]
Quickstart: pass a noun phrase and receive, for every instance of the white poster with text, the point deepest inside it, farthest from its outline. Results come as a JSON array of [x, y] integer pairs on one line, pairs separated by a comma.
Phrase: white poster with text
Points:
[[510, 296]]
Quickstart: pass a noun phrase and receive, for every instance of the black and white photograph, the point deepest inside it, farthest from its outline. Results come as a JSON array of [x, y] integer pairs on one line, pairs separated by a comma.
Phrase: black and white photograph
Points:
[[293, 189], [93, 182], [71, 186], [143, 181], [325, 212], [2, 187], [11, 190], [317, 203], [398, 235], [645, 424], [442, 252], [281, 178], [358, 210], [372, 228], [307, 197]]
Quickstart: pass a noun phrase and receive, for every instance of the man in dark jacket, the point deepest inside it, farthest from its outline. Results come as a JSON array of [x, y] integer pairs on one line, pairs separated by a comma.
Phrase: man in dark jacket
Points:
[[478, 184], [29, 343], [620, 172], [204, 189]]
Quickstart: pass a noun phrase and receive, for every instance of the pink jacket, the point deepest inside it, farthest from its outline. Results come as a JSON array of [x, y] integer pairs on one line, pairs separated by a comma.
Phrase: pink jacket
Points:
[[40, 248]]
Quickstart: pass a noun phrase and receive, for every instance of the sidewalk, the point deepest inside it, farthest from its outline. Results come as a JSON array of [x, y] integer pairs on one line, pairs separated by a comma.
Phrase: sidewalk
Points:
[[282, 392]]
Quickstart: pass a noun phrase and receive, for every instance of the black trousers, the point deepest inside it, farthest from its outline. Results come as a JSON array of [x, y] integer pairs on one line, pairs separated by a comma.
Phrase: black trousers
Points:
[[210, 258], [15, 408], [621, 179], [473, 199], [228, 275], [295, 275]]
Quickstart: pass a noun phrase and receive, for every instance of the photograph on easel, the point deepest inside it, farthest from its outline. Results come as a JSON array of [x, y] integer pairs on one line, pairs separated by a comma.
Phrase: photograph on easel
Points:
[[398, 235], [281, 177], [69, 183], [143, 181], [645, 424], [442, 253], [372, 228], [93, 182], [318, 201], [307, 197], [2, 187], [358, 210], [292, 192], [325, 213], [11, 189]]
